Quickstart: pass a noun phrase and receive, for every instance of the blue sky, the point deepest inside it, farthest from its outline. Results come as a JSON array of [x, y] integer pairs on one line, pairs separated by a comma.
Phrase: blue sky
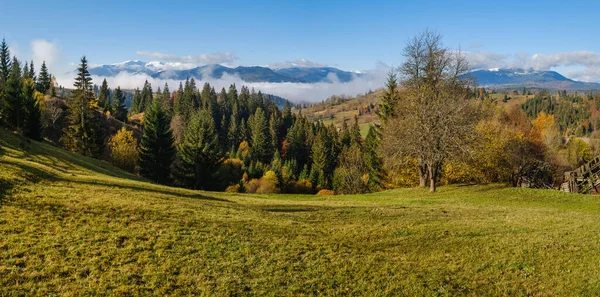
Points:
[[352, 35]]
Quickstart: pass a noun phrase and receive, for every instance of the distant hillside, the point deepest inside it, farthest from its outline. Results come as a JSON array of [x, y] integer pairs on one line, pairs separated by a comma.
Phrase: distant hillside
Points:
[[518, 78], [246, 73]]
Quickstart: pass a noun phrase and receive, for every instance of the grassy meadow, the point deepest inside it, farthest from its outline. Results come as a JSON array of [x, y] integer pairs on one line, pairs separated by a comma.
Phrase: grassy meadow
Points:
[[75, 226]]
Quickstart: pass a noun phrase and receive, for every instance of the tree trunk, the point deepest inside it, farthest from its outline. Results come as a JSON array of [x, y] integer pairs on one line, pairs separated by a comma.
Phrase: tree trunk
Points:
[[433, 170], [423, 174]]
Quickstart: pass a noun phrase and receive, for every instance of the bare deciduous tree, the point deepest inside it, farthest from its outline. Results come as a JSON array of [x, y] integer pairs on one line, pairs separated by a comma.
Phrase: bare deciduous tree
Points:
[[433, 118]]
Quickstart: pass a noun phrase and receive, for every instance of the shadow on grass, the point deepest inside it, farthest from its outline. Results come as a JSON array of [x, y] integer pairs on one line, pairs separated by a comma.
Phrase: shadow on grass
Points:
[[152, 189], [290, 209], [35, 175]]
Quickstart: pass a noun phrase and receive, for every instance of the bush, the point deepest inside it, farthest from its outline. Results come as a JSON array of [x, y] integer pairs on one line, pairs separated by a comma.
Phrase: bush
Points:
[[233, 189], [123, 149], [265, 185], [326, 192], [230, 172]]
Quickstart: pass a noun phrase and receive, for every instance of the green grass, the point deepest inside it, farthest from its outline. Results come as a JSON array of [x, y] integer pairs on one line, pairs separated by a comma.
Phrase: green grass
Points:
[[76, 226]]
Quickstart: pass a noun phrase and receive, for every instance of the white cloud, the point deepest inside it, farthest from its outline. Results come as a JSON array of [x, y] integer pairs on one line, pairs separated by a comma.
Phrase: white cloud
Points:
[[216, 58], [586, 62], [296, 63], [44, 50], [295, 92]]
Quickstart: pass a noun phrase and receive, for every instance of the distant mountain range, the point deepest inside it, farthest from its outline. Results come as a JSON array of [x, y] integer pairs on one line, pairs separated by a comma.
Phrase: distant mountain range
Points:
[[178, 71], [519, 78]]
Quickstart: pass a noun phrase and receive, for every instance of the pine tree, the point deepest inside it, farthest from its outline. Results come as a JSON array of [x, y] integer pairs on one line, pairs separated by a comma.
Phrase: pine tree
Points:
[[44, 80], [84, 132], [118, 105], [389, 98], [322, 157], [33, 114], [167, 102], [26, 73], [136, 102], [104, 96], [146, 99], [260, 142], [372, 159], [14, 109], [199, 153], [355, 138], [275, 123], [233, 138], [5, 65], [156, 145], [32, 72]]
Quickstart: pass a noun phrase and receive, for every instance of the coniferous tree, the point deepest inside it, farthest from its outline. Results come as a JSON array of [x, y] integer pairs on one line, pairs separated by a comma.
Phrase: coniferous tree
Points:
[[118, 105], [44, 80], [373, 161], [84, 132], [275, 123], [104, 96], [355, 133], [146, 98], [33, 114], [136, 102], [199, 155], [322, 157], [260, 142], [389, 99], [156, 145], [26, 73], [32, 72], [167, 102], [5, 64], [14, 110]]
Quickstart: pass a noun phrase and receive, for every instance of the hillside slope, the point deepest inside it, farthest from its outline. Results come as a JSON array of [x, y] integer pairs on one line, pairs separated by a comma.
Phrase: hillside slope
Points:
[[75, 226]]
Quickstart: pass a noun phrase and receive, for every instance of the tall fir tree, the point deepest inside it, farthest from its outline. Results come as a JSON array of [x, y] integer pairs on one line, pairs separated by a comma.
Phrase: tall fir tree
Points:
[[85, 130], [260, 141], [44, 80], [199, 155], [104, 96], [14, 110], [389, 98], [136, 101], [33, 114], [32, 72], [167, 103], [156, 145], [26, 74], [5, 63], [373, 160], [119, 109], [146, 99]]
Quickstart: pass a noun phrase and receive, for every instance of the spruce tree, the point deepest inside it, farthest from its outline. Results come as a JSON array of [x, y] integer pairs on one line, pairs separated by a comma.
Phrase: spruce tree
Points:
[[14, 110], [104, 96], [118, 105], [26, 73], [199, 154], [84, 133], [5, 64], [33, 122], [136, 102], [322, 158], [44, 80], [167, 102], [156, 145], [389, 98], [32, 72], [146, 99], [372, 159], [260, 140]]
